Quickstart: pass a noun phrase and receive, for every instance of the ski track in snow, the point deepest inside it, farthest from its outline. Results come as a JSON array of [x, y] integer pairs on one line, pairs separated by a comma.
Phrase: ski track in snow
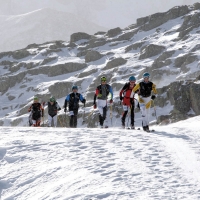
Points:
[[93, 164]]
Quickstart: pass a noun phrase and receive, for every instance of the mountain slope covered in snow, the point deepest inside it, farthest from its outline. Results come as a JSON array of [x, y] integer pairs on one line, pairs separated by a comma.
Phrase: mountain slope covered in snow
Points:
[[17, 31], [164, 44], [86, 15]]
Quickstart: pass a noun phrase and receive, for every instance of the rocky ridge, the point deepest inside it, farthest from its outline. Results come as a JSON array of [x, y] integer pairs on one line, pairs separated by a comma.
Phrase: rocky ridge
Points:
[[164, 44]]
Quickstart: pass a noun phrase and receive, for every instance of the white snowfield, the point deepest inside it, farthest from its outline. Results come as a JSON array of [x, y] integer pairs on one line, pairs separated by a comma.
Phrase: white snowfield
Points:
[[91, 164]]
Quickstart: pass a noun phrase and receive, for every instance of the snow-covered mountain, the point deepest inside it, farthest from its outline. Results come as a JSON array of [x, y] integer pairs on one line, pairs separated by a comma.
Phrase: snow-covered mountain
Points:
[[164, 44], [17, 31], [34, 21], [83, 164]]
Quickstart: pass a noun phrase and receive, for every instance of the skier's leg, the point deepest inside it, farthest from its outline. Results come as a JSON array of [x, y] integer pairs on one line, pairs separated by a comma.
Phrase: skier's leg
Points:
[[49, 120], [143, 112], [55, 117], [125, 108], [75, 118], [102, 113], [33, 122], [71, 122], [148, 105], [132, 117], [104, 116]]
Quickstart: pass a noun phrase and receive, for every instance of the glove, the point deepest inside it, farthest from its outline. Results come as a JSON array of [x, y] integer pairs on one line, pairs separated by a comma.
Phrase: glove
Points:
[[65, 110], [95, 106], [83, 101], [111, 101], [121, 98], [153, 97]]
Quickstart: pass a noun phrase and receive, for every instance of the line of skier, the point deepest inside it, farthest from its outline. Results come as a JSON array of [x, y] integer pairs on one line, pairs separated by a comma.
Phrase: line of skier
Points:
[[146, 91]]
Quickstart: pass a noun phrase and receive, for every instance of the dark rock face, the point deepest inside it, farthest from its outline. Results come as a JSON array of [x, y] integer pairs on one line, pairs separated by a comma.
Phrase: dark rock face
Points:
[[150, 50], [155, 20], [79, 36], [114, 32], [92, 56], [184, 97]]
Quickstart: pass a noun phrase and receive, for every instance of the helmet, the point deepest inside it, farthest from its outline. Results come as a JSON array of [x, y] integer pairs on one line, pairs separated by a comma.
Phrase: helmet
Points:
[[74, 87], [35, 98], [52, 99], [132, 78], [146, 75], [103, 78]]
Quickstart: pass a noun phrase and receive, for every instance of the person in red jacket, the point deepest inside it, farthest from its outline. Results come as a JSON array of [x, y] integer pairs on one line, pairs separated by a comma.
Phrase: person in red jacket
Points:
[[127, 102]]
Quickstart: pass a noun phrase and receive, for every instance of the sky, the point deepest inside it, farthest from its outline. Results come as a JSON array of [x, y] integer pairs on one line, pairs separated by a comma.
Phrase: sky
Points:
[[106, 13]]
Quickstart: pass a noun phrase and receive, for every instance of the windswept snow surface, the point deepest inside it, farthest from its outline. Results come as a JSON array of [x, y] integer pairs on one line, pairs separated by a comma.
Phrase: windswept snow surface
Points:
[[83, 164]]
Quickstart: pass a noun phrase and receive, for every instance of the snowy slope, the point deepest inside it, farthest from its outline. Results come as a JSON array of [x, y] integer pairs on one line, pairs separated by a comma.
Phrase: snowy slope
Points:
[[77, 164]]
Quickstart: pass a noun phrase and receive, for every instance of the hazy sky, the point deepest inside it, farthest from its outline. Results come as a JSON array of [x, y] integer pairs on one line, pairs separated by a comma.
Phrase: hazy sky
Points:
[[107, 13]]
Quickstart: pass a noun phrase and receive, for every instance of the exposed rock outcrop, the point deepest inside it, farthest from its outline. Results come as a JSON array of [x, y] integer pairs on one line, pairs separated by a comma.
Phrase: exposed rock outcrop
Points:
[[114, 32], [150, 50], [92, 56], [79, 36]]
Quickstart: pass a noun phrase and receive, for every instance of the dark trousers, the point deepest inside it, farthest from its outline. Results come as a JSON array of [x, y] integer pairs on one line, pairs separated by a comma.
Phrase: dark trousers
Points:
[[73, 119], [102, 118], [132, 116]]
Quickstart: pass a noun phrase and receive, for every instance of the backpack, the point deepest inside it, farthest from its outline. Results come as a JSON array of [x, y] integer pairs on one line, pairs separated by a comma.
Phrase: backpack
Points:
[[36, 112], [107, 89], [74, 101], [145, 89]]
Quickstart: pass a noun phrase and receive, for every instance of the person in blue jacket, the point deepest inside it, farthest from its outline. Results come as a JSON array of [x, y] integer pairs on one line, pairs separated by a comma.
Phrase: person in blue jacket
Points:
[[72, 101]]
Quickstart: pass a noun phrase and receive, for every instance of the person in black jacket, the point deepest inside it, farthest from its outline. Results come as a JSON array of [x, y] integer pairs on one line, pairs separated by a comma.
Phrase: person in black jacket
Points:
[[72, 100], [100, 99], [36, 112], [53, 108]]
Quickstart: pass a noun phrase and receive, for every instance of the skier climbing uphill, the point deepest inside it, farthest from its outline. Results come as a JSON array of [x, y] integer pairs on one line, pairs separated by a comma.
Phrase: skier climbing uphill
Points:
[[127, 102], [101, 94], [37, 112], [53, 108], [72, 100], [145, 97]]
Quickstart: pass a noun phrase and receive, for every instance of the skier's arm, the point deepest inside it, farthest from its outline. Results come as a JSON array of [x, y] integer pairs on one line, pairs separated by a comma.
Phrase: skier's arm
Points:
[[154, 89], [42, 110], [57, 106], [95, 95], [66, 100], [30, 108], [135, 90], [82, 99]]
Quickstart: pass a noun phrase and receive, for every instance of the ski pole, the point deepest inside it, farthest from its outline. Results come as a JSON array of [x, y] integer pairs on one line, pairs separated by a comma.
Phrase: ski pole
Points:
[[111, 114], [155, 112], [60, 121], [128, 118]]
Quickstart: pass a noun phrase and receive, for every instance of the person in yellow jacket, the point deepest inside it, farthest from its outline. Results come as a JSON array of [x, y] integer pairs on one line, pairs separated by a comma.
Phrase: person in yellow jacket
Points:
[[145, 97]]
